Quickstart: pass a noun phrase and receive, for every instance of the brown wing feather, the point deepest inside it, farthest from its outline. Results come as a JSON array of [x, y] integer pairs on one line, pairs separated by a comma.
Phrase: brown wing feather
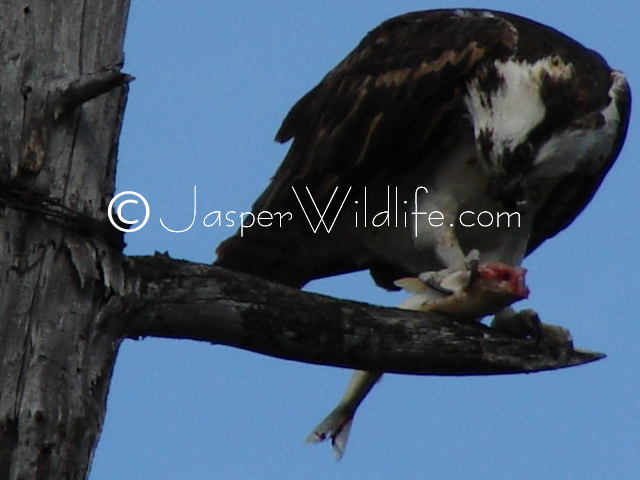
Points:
[[373, 116], [379, 109]]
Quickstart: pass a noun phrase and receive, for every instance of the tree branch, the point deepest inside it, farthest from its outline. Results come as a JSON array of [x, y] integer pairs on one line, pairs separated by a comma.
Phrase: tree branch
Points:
[[73, 93], [178, 299]]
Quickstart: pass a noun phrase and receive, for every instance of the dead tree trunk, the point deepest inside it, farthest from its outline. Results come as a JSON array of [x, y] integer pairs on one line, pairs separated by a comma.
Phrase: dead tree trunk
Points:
[[68, 297], [61, 268]]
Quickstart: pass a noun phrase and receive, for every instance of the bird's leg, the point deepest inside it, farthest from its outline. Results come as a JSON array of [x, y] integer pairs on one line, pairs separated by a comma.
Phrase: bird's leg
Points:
[[437, 280], [447, 248], [443, 241]]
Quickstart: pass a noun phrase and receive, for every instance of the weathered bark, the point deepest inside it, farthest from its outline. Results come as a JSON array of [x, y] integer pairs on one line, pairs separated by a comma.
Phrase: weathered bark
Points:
[[176, 299], [60, 272], [68, 297]]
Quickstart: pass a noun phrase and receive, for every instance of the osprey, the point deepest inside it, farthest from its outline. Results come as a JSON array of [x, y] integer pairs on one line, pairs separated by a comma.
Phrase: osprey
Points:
[[488, 111], [454, 112]]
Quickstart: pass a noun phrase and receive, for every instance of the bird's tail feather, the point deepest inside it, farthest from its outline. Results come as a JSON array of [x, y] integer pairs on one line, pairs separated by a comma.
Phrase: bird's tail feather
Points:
[[264, 253], [290, 258]]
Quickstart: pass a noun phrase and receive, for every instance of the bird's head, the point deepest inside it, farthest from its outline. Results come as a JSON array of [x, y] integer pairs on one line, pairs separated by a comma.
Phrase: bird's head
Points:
[[511, 118]]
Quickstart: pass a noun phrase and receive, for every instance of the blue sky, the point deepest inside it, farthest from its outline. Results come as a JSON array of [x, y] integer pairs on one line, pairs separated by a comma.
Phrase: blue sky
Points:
[[213, 82]]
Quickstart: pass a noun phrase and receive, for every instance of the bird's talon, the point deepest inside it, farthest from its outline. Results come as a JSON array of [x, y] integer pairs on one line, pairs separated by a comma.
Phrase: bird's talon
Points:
[[430, 282], [473, 255], [473, 269], [523, 324]]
